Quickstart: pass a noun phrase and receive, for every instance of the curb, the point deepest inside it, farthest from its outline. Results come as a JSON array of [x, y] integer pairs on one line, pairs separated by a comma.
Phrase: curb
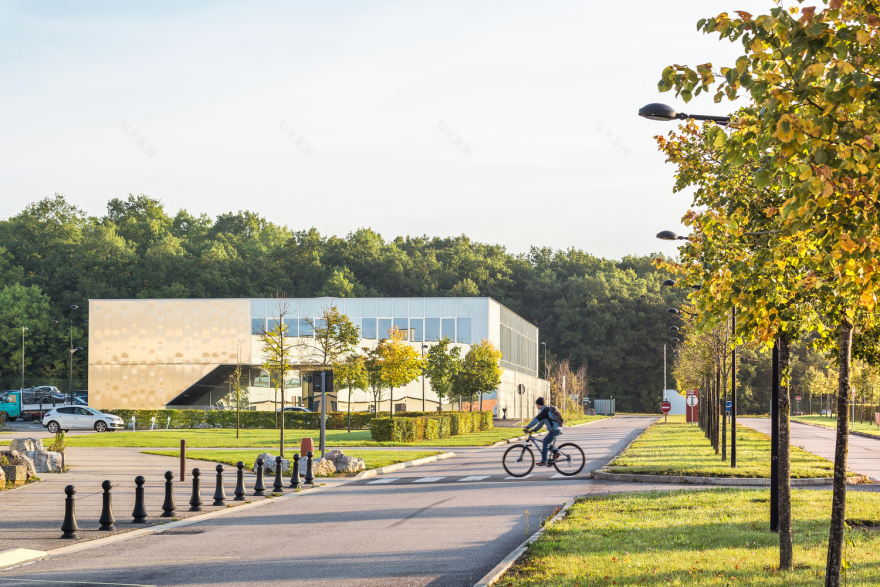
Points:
[[852, 432], [713, 481], [492, 576], [404, 465], [542, 433]]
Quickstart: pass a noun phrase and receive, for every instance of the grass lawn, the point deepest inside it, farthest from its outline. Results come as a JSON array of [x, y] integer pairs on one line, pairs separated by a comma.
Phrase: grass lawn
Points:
[[832, 423], [678, 448], [373, 459], [696, 538], [224, 438]]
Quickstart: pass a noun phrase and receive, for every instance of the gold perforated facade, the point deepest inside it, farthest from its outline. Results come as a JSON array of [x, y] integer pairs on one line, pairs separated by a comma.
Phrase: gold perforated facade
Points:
[[142, 353]]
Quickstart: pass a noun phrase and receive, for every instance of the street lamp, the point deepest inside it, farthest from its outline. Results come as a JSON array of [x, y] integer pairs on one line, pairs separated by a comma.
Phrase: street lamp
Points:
[[72, 351], [545, 359], [71, 324], [668, 235], [23, 328], [666, 113]]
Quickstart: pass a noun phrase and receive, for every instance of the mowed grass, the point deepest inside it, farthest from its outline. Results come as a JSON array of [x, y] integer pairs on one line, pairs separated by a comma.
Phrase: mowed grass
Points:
[[677, 448], [373, 459], [832, 423], [225, 438], [717, 537]]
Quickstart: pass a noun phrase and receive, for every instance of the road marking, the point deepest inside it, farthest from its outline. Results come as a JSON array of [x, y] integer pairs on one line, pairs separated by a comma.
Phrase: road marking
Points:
[[475, 478], [559, 476], [385, 480], [524, 477], [428, 479], [68, 582]]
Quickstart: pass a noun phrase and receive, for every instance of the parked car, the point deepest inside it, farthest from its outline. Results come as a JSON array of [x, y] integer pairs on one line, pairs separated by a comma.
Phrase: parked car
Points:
[[83, 395], [73, 418], [294, 409]]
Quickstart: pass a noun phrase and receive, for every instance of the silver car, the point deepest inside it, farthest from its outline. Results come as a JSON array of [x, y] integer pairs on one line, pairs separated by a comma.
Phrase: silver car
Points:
[[72, 418]]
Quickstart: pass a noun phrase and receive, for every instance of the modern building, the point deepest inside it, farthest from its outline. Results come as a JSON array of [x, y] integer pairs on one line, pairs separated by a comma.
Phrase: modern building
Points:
[[152, 354]]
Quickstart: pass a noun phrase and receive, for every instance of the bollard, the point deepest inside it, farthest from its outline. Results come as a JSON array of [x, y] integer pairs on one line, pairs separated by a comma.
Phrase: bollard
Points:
[[68, 526], [278, 486], [259, 488], [219, 494], [309, 477], [182, 459], [107, 520], [140, 508], [239, 483], [195, 502], [168, 506], [294, 477]]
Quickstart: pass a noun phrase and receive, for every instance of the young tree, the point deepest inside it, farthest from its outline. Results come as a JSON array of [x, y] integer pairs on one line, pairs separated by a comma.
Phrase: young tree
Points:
[[351, 373], [480, 372], [238, 391], [400, 363], [441, 366], [278, 355], [375, 383]]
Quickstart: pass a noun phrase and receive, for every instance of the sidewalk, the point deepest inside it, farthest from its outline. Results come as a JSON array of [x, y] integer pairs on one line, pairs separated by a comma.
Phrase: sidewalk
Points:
[[864, 453]]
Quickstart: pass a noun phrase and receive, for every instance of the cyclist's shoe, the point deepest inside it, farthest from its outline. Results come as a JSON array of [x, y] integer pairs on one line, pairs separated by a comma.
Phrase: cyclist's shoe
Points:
[[541, 464]]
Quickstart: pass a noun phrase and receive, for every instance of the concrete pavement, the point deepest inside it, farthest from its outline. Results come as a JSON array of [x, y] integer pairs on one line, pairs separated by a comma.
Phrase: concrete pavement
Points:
[[431, 526], [864, 453]]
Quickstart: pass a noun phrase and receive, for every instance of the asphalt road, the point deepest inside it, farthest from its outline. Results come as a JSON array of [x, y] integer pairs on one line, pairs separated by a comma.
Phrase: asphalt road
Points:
[[443, 524], [864, 453]]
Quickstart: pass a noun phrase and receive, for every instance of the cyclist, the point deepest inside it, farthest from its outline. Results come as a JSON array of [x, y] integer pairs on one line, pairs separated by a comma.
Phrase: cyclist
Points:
[[544, 417]]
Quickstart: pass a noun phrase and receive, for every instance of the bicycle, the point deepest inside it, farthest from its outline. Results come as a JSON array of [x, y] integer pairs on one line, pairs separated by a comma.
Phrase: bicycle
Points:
[[519, 460]]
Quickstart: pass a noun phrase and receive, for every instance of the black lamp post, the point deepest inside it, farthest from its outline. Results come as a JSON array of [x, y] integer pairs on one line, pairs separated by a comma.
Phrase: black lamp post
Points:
[[72, 351], [665, 113], [71, 324]]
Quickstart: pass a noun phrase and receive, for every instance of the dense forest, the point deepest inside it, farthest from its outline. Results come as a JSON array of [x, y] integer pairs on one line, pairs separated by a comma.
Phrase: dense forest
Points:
[[605, 314]]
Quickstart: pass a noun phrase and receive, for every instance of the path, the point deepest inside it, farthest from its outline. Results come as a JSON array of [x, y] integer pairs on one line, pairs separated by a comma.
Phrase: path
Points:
[[429, 526], [864, 453]]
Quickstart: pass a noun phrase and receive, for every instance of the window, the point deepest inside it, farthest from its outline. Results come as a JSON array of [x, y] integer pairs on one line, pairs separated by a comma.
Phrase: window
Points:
[[481, 328], [369, 309], [481, 308], [448, 328], [257, 326], [432, 308], [402, 324], [416, 307], [384, 307], [305, 329], [401, 308], [464, 307], [432, 329], [368, 329], [464, 330], [292, 325], [262, 380], [82, 412], [66, 410], [416, 325], [384, 327], [353, 308]]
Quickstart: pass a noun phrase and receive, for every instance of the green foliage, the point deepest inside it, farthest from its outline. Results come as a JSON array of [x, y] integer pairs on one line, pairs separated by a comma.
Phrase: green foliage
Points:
[[59, 443], [416, 426], [480, 372], [388, 430], [441, 366], [249, 420]]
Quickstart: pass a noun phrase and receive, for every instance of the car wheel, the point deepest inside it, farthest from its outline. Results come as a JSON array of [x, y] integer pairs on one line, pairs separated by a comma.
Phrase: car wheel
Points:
[[100, 426], [53, 427]]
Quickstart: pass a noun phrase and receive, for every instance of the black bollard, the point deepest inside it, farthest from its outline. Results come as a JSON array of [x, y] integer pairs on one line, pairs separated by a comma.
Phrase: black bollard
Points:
[[239, 484], [278, 486], [168, 507], [310, 478], [219, 494], [294, 477], [140, 508], [107, 520], [259, 488], [195, 502], [68, 526]]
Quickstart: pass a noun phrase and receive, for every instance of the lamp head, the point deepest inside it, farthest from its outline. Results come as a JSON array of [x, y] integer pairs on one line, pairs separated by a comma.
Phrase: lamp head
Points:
[[74, 307], [676, 340], [668, 235], [673, 311], [668, 282], [674, 328], [657, 111]]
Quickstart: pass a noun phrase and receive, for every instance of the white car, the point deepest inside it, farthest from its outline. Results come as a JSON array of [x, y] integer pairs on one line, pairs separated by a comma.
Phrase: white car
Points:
[[72, 418]]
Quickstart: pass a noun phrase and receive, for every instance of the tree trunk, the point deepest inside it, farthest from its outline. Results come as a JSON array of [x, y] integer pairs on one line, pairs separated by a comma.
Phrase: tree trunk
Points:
[[481, 401], [786, 553], [838, 499], [391, 403], [349, 408]]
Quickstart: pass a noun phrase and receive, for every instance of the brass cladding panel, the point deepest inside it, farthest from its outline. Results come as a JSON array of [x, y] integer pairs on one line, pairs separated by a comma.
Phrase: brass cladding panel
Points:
[[143, 353]]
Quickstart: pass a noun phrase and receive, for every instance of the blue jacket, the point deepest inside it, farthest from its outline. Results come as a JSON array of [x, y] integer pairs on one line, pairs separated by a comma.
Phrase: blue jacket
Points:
[[544, 418]]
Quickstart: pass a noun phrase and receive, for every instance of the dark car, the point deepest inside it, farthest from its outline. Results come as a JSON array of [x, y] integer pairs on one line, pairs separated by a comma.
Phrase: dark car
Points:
[[294, 409]]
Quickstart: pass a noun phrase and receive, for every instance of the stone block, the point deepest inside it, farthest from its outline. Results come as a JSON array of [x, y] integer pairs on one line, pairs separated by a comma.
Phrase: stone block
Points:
[[349, 465], [26, 445], [17, 474], [48, 462], [13, 457], [323, 468]]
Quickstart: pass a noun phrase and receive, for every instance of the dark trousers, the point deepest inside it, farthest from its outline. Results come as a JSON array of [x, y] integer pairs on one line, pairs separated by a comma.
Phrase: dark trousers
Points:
[[548, 440]]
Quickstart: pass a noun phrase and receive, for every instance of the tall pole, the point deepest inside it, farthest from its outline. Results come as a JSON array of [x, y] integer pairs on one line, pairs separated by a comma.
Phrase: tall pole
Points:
[[423, 378], [664, 371], [70, 383], [23, 328], [324, 410], [774, 441], [733, 393]]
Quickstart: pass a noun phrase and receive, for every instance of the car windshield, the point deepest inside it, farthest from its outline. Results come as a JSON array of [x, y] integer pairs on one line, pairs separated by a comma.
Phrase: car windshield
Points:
[[92, 411]]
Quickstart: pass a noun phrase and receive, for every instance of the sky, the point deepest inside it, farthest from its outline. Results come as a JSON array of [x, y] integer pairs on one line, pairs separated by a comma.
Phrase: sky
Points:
[[514, 123]]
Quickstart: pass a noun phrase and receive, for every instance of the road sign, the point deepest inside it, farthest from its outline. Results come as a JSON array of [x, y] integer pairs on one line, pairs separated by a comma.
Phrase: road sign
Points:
[[798, 398], [520, 389], [729, 404], [665, 407], [692, 401]]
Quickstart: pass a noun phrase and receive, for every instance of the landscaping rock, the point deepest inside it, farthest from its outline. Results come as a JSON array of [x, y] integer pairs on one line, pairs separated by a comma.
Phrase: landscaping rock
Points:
[[2, 477], [17, 474], [48, 462], [26, 445], [345, 464], [322, 468], [269, 464], [16, 458]]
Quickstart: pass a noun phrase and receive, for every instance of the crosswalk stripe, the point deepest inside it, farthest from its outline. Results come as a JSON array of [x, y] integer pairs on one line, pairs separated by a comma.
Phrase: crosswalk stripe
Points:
[[428, 479], [475, 478], [558, 476], [385, 480], [524, 477]]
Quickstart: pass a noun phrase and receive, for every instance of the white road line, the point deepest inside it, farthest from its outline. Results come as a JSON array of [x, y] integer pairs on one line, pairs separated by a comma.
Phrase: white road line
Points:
[[385, 480], [428, 479], [69, 581], [525, 477], [559, 476], [474, 478]]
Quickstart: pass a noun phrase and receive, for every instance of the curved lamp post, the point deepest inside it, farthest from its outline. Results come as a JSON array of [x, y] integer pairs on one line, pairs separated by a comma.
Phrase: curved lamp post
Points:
[[665, 113], [71, 324], [23, 328]]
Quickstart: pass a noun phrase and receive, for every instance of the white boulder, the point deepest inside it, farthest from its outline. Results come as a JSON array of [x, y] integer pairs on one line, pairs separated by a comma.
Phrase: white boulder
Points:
[[26, 445], [269, 464], [345, 464], [48, 462]]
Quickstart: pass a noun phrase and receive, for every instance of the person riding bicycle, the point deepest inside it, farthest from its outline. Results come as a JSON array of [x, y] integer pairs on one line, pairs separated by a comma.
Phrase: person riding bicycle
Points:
[[544, 417]]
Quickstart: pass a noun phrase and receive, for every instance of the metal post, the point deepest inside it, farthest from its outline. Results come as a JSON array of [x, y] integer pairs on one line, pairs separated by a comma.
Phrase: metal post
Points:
[[774, 441], [664, 371], [733, 394], [423, 376], [23, 328], [182, 459], [68, 526], [140, 507], [195, 501], [168, 506], [324, 410], [107, 520]]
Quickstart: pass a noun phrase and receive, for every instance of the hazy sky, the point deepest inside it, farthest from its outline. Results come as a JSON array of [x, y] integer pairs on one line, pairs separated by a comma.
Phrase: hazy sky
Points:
[[490, 119]]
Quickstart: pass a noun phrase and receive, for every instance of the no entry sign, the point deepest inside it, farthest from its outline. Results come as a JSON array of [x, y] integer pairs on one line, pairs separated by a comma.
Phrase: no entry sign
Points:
[[665, 407], [798, 398]]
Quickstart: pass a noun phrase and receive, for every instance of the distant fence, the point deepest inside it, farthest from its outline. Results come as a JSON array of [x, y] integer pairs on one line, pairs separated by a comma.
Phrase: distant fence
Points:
[[14, 382], [604, 407]]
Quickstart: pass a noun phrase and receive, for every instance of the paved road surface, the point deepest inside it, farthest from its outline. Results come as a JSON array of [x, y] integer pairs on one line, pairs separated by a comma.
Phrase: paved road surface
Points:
[[864, 453], [429, 526]]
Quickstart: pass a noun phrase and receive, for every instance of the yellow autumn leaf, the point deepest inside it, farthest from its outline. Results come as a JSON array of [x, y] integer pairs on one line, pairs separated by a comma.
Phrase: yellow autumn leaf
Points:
[[784, 130], [814, 184], [863, 37]]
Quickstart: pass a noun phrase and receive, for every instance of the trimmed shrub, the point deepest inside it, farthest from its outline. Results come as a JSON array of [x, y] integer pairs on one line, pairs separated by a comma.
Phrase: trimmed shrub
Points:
[[249, 420], [444, 427], [388, 430], [432, 428], [486, 422]]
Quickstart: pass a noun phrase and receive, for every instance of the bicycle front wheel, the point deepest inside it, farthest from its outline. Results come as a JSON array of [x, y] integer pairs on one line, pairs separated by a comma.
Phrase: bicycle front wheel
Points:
[[518, 460], [570, 459]]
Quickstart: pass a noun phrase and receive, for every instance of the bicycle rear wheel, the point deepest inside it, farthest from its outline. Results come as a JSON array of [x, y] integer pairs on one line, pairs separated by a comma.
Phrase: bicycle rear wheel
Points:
[[518, 460], [570, 459]]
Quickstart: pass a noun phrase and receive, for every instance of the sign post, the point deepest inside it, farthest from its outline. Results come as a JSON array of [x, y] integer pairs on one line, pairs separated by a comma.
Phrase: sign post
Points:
[[665, 407], [521, 389], [798, 399]]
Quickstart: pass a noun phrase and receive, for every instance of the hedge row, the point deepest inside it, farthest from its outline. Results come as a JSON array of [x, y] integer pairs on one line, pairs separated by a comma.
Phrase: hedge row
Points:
[[250, 420], [413, 426]]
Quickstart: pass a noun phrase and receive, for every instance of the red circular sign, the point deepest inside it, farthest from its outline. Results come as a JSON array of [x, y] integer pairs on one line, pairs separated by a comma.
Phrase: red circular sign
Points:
[[666, 407], [798, 398]]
